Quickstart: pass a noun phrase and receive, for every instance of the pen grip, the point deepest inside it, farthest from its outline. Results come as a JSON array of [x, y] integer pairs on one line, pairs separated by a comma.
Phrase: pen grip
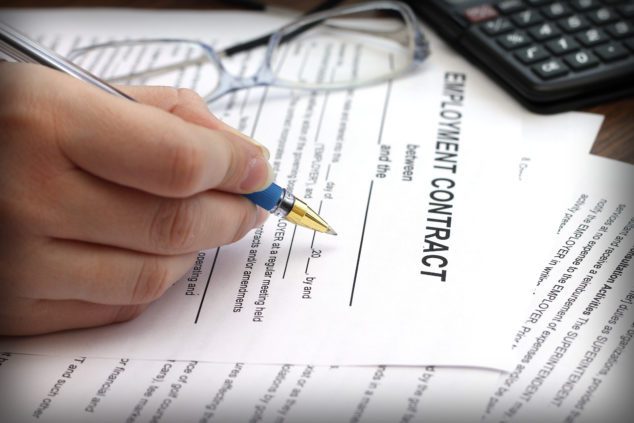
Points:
[[267, 199]]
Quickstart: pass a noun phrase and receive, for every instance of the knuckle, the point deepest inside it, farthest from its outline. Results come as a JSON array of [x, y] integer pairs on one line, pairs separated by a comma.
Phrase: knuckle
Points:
[[125, 313], [185, 169], [28, 113], [175, 225], [235, 166], [151, 281], [187, 95]]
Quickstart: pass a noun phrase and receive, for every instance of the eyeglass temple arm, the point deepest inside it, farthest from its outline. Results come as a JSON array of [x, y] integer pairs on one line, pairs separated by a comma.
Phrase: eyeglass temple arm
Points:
[[263, 40]]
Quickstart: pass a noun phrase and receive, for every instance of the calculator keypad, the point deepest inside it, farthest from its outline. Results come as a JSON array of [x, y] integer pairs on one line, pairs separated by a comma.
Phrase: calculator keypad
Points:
[[544, 31], [563, 39]]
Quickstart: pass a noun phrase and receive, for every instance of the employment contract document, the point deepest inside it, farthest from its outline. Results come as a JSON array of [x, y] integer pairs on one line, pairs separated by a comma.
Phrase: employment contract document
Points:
[[574, 348], [409, 279]]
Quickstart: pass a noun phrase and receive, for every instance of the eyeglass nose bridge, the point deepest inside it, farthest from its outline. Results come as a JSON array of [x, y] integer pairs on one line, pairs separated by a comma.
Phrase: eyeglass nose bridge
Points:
[[228, 82]]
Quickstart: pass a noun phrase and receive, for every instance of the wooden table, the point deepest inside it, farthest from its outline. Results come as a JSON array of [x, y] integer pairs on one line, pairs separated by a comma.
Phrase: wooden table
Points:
[[615, 139]]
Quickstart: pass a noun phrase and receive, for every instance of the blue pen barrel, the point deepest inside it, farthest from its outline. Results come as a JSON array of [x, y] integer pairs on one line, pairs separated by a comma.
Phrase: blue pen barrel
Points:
[[267, 199]]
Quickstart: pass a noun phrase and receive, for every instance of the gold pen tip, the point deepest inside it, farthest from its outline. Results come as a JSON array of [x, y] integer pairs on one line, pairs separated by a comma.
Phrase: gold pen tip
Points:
[[331, 231]]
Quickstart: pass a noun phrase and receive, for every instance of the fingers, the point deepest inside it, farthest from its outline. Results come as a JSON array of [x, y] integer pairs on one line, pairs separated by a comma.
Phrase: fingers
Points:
[[106, 200], [142, 146], [100, 274], [34, 317], [113, 215], [186, 104], [181, 102], [149, 149]]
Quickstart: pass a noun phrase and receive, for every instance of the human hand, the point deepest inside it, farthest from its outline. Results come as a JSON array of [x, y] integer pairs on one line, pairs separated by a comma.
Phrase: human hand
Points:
[[104, 202]]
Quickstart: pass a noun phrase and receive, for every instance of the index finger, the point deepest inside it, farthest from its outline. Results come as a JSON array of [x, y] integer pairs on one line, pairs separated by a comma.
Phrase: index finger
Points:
[[184, 103], [150, 149]]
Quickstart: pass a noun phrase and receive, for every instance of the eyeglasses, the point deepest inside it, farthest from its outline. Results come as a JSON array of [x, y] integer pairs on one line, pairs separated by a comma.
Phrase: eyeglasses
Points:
[[336, 49]]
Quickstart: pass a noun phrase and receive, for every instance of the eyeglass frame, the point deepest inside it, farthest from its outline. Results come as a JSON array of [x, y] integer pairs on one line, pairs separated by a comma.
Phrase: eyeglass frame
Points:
[[418, 48]]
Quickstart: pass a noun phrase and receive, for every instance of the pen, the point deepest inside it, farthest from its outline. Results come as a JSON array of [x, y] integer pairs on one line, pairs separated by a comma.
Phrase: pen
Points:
[[275, 199]]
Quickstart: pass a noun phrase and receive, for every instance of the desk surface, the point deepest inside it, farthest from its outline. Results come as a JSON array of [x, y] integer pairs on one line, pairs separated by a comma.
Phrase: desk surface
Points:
[[615, 139]]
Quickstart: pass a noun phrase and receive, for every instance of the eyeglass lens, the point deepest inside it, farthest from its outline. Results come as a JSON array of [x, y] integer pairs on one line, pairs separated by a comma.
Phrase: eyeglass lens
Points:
[[350, 49]]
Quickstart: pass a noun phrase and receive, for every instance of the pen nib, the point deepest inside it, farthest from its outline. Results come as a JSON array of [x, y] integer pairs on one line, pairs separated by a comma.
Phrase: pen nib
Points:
[[303, 215]]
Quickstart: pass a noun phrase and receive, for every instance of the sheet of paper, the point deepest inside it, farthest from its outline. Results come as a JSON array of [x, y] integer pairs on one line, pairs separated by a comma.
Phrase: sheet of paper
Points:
[[405, 394], [548, 138], [590, 377], [154, 390], [89, 389], [573, 343], [389, 170]]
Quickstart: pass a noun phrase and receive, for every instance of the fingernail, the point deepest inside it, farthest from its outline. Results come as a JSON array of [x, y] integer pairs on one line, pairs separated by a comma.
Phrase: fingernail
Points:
[[258, 175]]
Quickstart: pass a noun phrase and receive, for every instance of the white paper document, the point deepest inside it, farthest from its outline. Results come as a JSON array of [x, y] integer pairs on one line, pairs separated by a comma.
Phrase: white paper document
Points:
[[583, 377], [283, 295], [89, 389], [407, 279], [573, 345]]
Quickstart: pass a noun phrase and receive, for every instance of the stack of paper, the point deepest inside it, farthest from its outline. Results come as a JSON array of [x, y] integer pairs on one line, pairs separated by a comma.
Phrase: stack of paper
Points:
[[493, 282]]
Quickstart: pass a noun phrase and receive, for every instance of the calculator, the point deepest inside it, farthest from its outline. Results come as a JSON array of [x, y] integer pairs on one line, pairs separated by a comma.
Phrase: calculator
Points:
[[551, 55]]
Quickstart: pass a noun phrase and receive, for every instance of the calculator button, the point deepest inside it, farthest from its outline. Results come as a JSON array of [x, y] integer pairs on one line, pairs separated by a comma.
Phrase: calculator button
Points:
[[629, 43], [581, 60], [573, 23], [497, 26], [562, 45], [550, 69], [556, 10], [611, 52], [531, 54], [592, 37], [480, 13], [527, 18], [510, 6], [602, 16], [620, 29], [537, 2], [582, 5], [544, 31], [626, 10], [513, 39]]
